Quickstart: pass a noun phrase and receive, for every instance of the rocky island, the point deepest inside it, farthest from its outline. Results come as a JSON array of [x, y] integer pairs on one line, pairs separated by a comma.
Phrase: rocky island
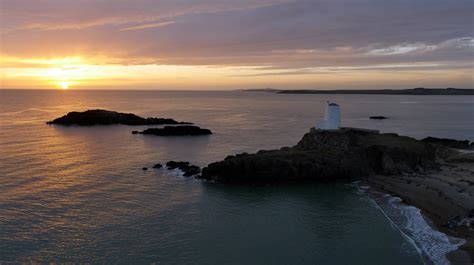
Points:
[[106, 117], [378, 118], [186, 130], [428, 174]]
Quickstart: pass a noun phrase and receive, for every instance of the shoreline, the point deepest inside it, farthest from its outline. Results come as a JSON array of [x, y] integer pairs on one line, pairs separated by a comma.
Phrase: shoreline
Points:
[[413, 91], [440, 196], [458, 256]]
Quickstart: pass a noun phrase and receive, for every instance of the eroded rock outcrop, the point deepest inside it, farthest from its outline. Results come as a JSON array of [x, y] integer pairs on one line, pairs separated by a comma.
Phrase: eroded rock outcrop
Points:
[[457, 144], [188, 169]]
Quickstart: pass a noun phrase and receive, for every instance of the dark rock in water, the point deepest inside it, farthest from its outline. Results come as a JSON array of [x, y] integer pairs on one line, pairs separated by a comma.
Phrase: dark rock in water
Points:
[[105, 117], [188, 170], [378, 117], [191, 170], [457, 144], [329, 155], [157, 166], [177, 131], [176, 164], [145, 168]]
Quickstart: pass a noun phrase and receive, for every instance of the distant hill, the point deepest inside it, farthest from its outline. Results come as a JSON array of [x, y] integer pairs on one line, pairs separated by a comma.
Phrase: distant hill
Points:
[[261, 90], [412, 91]]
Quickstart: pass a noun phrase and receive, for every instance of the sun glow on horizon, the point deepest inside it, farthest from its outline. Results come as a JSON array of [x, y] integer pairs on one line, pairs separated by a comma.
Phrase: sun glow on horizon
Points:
[[83, 72], [64, 85]]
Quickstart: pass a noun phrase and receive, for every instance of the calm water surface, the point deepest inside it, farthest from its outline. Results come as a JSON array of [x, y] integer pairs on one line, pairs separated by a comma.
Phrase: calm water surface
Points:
[[71, 194]]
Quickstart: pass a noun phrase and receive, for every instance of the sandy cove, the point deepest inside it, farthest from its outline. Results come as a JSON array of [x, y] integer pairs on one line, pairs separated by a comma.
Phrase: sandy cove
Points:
[[441, 196]]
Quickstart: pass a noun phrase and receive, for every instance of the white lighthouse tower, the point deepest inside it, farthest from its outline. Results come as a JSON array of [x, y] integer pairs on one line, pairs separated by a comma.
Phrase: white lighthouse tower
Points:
[[332, 119]]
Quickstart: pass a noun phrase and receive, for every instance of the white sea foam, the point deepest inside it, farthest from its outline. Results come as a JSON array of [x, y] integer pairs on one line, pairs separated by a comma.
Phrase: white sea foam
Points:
[[432, 245]]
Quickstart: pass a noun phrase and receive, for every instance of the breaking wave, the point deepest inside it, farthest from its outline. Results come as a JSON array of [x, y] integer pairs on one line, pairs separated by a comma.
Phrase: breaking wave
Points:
[[432, 245]]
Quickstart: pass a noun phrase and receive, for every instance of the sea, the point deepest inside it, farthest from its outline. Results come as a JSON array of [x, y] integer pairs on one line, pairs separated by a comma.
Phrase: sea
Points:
[[80, 195]]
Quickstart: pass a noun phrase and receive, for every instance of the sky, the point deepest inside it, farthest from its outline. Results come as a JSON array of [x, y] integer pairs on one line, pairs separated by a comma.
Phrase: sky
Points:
[[236, 44]]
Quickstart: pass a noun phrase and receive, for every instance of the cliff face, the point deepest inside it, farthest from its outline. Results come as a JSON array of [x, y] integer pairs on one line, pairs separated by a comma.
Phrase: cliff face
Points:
[[327, 155]]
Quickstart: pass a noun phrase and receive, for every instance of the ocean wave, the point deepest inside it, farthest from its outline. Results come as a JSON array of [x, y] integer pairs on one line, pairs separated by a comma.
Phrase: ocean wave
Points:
[[432, 245]]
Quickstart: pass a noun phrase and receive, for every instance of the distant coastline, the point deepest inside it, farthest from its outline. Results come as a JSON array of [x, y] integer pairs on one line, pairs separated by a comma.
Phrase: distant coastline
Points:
[[412, 91]]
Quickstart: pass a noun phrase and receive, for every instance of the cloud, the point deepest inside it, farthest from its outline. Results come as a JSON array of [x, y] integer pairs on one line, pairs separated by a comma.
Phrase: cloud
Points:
[[148, 26], [82, 14], [292, 35]]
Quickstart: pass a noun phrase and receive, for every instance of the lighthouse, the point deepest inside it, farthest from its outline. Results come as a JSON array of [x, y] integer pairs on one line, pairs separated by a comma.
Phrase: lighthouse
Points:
[[332, 119]]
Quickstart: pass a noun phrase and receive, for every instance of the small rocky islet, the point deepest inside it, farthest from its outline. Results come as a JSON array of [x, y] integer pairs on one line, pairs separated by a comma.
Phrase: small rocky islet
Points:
[[185, 130], [187, 168], [107, 117], [378, 118]]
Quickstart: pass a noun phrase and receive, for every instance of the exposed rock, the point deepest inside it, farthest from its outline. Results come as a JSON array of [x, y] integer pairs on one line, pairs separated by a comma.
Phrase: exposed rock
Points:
[[191, 170], [105, 117], [188, 170], [176, 164], [144, 168], [329, 155], [457, 144], [378, 117], [157, 166], [461, 157], [466, 220], [176, 131]]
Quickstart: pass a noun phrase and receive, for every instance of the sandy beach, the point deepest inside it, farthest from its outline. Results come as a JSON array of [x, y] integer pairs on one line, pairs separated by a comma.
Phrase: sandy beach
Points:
[[441, 196]]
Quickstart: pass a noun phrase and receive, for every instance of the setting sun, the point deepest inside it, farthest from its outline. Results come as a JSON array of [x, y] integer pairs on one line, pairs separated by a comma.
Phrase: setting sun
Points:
[[64, 85]]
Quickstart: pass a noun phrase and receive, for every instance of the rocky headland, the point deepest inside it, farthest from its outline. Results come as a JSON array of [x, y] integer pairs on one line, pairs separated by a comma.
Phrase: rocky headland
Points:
[[106, 117], [186, 130], [428, 174], [344, 154]]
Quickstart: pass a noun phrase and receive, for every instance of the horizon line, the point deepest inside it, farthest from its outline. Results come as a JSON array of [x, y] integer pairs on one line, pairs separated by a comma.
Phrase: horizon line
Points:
[[269, 89]]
